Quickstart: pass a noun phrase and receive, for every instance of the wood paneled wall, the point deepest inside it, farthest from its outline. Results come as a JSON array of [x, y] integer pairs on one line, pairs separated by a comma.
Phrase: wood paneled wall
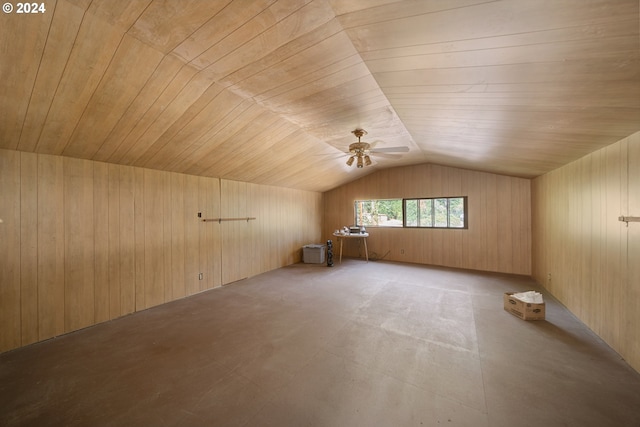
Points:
[[499, 233], [582, 253], [83, 242]]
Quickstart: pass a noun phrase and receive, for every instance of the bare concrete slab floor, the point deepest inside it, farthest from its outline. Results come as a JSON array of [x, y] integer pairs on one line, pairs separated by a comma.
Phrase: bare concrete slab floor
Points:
[[359, 344]]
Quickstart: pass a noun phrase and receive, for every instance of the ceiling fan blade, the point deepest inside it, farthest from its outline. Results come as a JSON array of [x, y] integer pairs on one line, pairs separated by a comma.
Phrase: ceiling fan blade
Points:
[[390, 150], [386, 155]]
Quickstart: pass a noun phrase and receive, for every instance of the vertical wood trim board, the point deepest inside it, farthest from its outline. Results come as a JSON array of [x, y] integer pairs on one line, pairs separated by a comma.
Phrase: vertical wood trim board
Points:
[[582, 253], [499, 233], [85, 242]]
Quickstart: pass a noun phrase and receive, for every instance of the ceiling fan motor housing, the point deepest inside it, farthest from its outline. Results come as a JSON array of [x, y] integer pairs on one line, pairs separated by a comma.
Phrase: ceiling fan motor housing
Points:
[[359, 147]]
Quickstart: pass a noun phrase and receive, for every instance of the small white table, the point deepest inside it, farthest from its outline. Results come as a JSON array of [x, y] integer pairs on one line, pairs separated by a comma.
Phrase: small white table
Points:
[[362, 236]]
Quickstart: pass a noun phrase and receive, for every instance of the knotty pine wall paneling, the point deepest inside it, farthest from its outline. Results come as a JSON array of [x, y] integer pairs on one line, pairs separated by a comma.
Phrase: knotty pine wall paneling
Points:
[[167, 247], [28, 248], [10, 251], [631, 296], [102, 205], [79, 250], [139, 238], [154, 262], [274, 228], [258, 256], [84, 242], [277, 228], [192, 227], [286, 220], [234, 233], [124, 253], [499, 233], [615, 245], [178, 227], [288, 227], [210, 234], [51, 246], [269, 225], [582, 253]]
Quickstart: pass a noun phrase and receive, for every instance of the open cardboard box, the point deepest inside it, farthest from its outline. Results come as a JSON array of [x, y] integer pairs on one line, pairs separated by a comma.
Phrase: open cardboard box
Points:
[[523, 310]]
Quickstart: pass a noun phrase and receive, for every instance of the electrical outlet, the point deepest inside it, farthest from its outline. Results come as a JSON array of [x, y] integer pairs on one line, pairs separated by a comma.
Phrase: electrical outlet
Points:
[[549, 277], [199, 214], [401, 251], [200, 276]]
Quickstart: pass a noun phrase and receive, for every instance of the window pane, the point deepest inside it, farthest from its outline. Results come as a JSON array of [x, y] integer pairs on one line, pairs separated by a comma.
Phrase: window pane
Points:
[[411, 212], [456, 212], [440, 212], [390, 212], [426, 213], [379, 213]]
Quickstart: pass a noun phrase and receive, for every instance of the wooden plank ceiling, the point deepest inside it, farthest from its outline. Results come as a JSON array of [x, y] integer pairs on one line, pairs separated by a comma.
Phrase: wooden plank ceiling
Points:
[[268, 91]]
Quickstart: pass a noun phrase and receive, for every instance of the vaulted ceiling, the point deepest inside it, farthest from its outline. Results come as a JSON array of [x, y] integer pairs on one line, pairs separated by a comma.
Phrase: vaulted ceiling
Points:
[[268, 91]]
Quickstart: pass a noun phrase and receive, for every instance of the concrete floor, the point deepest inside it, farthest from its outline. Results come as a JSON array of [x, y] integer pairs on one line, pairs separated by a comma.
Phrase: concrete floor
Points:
[[359, 344]]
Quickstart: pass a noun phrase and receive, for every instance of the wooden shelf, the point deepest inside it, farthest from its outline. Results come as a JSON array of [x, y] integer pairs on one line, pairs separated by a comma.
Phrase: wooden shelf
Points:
[[228, 219]]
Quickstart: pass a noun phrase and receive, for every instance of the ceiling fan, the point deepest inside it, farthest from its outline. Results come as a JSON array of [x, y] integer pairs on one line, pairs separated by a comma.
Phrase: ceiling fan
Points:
[[360, 151]]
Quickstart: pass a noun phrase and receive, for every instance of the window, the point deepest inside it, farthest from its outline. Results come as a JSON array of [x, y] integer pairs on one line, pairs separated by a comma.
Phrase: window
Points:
[[444, 212], [378, 213], [441, 212]]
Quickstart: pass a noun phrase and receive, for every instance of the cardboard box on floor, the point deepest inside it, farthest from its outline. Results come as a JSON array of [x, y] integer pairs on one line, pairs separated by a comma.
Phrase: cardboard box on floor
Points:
[[523, 310]]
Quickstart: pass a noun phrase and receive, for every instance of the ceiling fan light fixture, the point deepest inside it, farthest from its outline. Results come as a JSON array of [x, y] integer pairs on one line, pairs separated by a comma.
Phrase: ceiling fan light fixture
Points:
[[350, 160], [367, 160], [360, 162]]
